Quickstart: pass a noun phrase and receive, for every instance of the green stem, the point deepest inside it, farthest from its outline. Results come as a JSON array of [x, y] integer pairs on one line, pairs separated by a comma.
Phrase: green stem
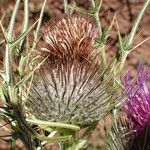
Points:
[[98, 24], [54, 124], [126, 47], [26, 19], [53, 139], [39, 25], [135, 25], [103, 54], [65, 6], [71, 145], [12, 21], [28, 133], [8, 53], [97, 7], [26, 16], [123, 59], [7, 65], [93, 3]]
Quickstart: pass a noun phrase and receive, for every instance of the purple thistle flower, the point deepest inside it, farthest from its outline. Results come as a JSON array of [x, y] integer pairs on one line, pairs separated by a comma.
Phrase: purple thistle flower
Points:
[[137, 105]]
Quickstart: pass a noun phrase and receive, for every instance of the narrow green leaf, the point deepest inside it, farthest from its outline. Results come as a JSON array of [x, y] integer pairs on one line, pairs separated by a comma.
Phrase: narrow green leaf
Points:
[[21, 37], [26, 19], [39, 25], [26, 16], [4, 33], [7, 65], [54, 124], [130, 38], [54, 139], [12, 21]]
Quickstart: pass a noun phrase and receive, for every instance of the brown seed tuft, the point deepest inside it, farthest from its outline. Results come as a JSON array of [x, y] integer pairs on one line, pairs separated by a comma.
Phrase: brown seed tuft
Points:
[[69, 38]]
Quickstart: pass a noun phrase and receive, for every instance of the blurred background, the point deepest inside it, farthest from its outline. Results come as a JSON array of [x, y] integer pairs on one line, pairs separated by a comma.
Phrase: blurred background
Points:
[[126, 12]]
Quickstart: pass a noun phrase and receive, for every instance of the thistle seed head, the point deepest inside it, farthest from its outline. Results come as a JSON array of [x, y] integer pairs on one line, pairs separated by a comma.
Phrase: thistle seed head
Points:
[[70, 86]]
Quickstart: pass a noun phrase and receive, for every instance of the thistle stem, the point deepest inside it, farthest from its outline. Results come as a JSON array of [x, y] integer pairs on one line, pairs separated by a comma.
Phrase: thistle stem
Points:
[[92, 2], [54, 124], [39, 25], [71, 145], [65, 6], [9, 53], [103, 54], [12, 21], [26, 20], [123, 59], [130, 38], [7, 64], [97, 7]]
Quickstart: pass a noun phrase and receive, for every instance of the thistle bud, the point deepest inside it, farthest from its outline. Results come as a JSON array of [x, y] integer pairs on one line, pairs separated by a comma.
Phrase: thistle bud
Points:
[[71, 86]]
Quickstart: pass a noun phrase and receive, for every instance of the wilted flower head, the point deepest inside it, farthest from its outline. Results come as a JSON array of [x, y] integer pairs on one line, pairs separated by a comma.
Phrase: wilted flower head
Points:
[[137, 105], [70, 86]]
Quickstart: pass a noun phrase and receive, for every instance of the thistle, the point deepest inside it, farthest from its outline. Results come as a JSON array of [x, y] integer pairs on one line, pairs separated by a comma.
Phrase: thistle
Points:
[[71, 86], [137, 105], [131, 128], [122, 137], [51, 92]]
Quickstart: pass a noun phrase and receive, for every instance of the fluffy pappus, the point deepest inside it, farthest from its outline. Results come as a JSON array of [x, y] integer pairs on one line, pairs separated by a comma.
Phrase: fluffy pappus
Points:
[[70, 38]]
